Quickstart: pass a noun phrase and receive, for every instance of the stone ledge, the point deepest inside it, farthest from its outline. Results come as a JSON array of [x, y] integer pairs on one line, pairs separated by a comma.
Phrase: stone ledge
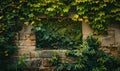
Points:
[[31, 52], [50, 53]]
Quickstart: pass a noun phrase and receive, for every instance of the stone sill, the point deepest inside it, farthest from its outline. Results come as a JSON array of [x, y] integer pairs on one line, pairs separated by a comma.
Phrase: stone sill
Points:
[[42, 53]]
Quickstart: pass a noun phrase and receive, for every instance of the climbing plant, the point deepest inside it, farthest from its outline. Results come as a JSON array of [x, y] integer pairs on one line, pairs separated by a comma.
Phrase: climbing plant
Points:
[[58, 34], [97, 13], [16, 13], [87, 57]]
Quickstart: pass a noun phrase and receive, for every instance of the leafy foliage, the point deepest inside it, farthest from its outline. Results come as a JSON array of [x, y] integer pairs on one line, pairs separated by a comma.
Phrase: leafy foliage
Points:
[[89, 58], [54, 34], [15, 13], [7, 49], [98, 13]]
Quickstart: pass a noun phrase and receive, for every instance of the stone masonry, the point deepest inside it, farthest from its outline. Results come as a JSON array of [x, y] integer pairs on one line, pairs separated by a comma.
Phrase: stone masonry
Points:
[[39, 59]]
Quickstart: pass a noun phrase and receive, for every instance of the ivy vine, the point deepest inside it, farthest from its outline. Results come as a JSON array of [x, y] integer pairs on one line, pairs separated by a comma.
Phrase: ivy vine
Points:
[[15, 13], [56, 33], [87, 57], [98, 13]]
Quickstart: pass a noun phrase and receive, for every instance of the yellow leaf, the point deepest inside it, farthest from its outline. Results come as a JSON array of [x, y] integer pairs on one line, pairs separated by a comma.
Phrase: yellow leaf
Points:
[[101, 13], [80, 19], [66, 9], [75, 16], [6, 54], [115, 10], [106, 0], [55, 6], [26, 23], [13, 11], [6, 51], [86, 20], [1, 17], [50, 9], [21, 18], [85, 17], [61, 14], [32, 22]]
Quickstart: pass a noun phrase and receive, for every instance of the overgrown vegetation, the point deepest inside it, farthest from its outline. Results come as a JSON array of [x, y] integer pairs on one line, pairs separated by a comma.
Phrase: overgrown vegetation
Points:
[[98, 13], [87, 58], [7, 49], [15, 13], [57, 34]]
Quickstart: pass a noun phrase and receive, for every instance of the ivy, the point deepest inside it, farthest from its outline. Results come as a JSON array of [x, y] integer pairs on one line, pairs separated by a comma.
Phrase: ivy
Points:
[[87, 57], [57, 33], [98, 13], [15, 13]]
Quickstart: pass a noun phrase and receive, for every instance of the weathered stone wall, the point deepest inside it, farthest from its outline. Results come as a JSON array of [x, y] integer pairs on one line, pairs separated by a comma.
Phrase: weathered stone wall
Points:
[[39, 59], [86, 30], [26, 40], [110, 43], [113, 37]]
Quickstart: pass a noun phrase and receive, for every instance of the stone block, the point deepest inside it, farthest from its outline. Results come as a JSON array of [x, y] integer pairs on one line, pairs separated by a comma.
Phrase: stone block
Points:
[[29, 48], [47, 69], [32, 37], [21, 47], [28, 42], [17, 43], [46, 53], [36, 63], [86, 30], [34, 54], [23, 51], [69, 60], [50, 53], [62, 53], [21, 42], [27, 29], [46, 63], [33, 43], [107, 40]]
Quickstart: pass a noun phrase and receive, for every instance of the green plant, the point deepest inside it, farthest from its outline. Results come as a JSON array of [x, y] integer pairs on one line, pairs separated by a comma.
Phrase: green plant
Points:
[[56, 59], [54, 34], [89, 58], [7, 50], [15, 13], [23, 63]]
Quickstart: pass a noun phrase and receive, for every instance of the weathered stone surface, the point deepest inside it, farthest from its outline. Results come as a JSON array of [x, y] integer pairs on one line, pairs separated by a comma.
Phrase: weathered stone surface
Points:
[[113, 37], [36, 63], [32, 37], [86, 30], [46, 53], [26, 50], [61, 53], [107, 40], [47, 69], [34, 54], [50, 53], [29, 48], [40, 58], [28, 42], [45, 62]]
